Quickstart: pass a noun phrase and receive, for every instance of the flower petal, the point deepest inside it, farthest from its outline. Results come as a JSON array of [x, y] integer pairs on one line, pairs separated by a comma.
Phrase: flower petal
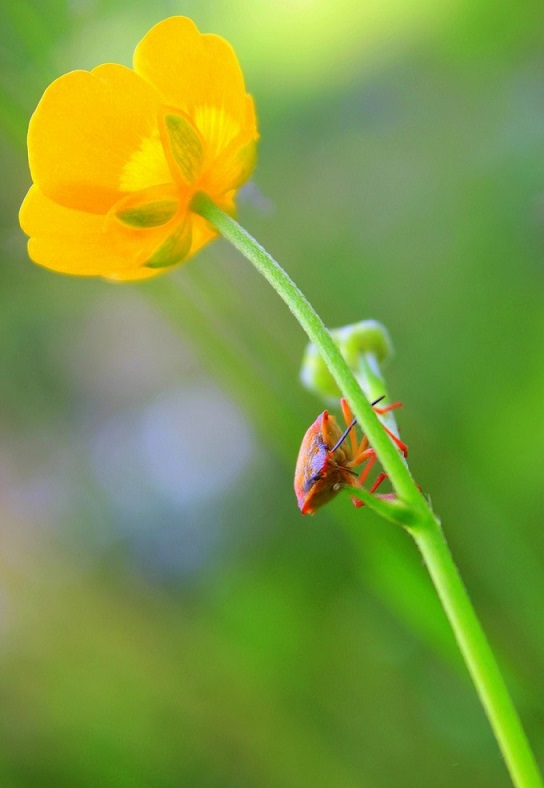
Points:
[[85, 244], [232, 168], [202, 233], [86, 128], [135, 275], [191, 70]]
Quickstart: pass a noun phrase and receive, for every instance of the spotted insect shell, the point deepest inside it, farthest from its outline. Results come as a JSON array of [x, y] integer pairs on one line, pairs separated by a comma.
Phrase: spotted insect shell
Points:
[[320, 473]]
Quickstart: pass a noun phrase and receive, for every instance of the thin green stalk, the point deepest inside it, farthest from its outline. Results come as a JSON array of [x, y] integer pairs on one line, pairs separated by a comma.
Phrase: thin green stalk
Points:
[[478, 655], [370, 379], [411, 508], [313, 325]]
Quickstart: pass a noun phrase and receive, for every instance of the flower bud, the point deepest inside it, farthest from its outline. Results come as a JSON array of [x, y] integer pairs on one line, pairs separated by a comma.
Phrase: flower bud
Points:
[[368, 339]]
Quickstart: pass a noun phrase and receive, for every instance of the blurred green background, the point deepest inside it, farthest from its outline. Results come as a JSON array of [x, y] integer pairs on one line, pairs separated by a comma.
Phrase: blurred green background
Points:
[[167, 618]]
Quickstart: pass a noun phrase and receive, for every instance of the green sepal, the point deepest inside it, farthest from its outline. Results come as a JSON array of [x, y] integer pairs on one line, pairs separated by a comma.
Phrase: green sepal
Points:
[[173, 250], [185, 145], [154, 214]]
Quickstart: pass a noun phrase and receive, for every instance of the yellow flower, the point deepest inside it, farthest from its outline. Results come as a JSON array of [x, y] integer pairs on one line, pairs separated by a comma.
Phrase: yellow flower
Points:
[[116, 156]]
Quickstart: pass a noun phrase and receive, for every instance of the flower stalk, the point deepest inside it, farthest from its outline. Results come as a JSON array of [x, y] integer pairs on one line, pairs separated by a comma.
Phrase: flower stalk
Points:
[[314, 327], [410, 508]]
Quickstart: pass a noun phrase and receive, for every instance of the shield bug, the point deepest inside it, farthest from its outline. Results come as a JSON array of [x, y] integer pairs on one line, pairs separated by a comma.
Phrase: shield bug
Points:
[[328, 457]]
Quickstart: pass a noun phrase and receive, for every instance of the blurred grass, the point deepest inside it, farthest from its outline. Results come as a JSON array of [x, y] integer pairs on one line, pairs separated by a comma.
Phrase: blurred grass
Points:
[[404, 186]]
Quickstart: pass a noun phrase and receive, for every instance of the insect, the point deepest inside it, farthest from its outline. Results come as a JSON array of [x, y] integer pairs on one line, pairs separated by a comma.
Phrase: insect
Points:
[[327, 459]]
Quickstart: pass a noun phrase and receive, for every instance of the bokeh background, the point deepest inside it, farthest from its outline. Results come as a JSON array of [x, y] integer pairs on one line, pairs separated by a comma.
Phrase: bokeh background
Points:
[[167, 618]]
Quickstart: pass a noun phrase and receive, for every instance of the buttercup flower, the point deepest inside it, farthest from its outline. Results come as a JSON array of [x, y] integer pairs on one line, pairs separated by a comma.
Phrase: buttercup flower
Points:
[[117, 154]]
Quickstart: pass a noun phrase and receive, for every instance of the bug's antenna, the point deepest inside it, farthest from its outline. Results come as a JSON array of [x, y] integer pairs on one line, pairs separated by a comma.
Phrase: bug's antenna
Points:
[[345, 434]]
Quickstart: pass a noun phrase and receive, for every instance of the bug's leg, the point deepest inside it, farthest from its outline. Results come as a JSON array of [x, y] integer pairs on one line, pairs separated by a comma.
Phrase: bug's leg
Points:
[[396, 440], [370, 459], [362, 456], [325, 427], [357, 450], [362, 451], [379, 479], [387, 408]]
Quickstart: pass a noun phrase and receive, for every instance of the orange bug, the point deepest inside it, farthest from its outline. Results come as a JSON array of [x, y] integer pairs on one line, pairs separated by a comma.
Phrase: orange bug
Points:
[[326, 459]]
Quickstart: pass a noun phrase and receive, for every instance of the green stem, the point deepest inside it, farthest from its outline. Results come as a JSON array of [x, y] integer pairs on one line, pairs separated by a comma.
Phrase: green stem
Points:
[[392, 462], [393, 510], [412, 509], [371, 380], [478, 655]]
